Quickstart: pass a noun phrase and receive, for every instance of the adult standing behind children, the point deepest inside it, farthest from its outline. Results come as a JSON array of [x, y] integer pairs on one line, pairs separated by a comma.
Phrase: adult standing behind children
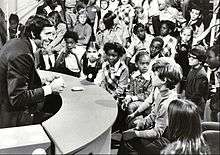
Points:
[[21, 91]]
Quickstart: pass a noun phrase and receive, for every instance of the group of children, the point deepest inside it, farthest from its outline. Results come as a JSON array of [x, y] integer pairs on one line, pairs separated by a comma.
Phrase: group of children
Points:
[[144, 53]]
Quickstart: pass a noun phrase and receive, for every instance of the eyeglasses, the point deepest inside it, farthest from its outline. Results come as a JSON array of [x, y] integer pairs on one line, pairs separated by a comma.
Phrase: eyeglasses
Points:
[[192, 56], [90, 51]]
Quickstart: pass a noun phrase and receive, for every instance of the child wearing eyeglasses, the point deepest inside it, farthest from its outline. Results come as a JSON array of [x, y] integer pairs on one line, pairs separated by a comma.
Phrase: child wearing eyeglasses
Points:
[[197, 81]]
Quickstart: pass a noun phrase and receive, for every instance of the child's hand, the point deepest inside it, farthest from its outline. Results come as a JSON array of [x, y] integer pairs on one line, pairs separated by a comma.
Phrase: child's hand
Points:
[[129, 134], [130, 117], [127, 100], [140, 123]]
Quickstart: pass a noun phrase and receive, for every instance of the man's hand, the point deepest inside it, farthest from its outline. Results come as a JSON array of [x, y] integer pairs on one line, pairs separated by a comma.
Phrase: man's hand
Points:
[[57, 85], [47, 77], [129, 134]]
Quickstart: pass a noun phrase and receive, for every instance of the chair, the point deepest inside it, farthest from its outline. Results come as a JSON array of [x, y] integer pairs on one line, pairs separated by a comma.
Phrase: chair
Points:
[[211, 133]]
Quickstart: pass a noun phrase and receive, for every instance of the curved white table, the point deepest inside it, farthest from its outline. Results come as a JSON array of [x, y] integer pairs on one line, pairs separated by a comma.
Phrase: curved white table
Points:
[[83, 123]]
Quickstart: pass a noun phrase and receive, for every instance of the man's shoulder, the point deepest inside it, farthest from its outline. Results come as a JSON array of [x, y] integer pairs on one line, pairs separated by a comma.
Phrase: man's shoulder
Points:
[[17, 46]]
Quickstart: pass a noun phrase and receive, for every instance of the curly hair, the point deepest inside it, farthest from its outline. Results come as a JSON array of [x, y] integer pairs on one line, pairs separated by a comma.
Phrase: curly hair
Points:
[[118, 48]]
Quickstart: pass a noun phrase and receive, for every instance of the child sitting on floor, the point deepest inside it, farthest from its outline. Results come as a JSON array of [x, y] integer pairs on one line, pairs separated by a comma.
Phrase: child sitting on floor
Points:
[[147, 136], [140, 85]]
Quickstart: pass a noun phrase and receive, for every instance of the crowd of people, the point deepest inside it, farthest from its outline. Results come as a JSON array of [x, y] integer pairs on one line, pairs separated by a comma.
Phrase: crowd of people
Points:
[[153, 56]]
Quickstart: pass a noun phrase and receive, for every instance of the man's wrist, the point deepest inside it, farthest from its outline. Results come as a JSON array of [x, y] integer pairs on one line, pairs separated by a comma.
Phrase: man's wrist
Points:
[[137, 133], [47, 90], [134, 98]]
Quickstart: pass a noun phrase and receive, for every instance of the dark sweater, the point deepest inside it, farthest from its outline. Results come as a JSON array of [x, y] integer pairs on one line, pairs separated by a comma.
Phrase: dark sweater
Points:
[[197, 87]]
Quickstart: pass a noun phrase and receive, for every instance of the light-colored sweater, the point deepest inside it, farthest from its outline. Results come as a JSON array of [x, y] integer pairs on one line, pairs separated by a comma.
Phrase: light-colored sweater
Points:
[[158, 115]]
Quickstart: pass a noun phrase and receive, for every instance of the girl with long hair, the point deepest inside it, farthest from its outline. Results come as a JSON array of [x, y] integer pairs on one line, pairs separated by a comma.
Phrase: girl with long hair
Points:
[[184, 129]]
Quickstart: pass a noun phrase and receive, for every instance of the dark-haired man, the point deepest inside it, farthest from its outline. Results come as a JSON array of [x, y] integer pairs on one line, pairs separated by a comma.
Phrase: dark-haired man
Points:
[[21, 92]]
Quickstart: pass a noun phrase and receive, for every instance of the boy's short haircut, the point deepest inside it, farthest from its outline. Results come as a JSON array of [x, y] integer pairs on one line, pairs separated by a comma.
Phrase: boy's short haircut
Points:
[[118, 48], [158, 39], [215, 49], [14, 17], [169, 69], [71, 34], [199, 53], [139, 55]]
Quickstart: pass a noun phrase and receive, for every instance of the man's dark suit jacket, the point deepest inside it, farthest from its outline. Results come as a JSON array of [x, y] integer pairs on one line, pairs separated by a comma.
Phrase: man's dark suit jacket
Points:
[[21, 90]]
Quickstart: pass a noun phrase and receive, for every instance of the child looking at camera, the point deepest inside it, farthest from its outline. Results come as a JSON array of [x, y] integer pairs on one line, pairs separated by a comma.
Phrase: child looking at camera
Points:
[[140, 85]]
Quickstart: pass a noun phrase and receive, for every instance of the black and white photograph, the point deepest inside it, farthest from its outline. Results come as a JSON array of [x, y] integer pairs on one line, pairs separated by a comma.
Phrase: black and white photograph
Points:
[[114, 77]]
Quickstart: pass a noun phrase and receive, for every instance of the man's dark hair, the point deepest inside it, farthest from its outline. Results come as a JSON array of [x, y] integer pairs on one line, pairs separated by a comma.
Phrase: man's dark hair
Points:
[[35, 25]]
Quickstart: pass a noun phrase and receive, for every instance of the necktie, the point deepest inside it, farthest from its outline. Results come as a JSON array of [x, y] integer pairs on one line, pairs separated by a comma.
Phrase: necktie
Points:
[[212, 78]]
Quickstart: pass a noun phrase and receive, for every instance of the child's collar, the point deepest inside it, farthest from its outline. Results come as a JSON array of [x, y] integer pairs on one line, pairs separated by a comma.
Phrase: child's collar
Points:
[[145, 75]]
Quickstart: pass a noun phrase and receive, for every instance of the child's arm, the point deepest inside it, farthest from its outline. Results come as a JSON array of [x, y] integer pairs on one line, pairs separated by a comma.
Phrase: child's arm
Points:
[[123, 83], [159, 120], [130, 52], [205, 33], [130, 25], [59, 36], [100, 75], [147, 103]]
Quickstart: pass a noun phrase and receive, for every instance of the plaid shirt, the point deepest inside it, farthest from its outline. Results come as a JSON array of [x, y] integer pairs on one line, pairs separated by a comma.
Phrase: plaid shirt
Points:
[[115, 79], [140, 86]]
